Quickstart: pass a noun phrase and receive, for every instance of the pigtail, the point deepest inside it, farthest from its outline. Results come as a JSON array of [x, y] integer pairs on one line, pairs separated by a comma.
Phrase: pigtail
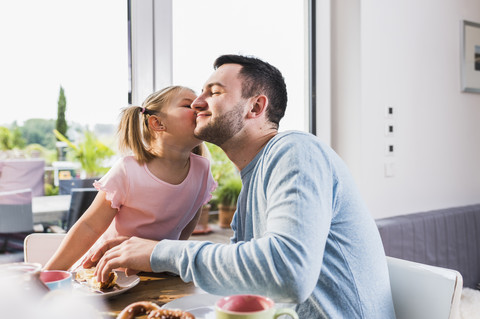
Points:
[[133, 133]]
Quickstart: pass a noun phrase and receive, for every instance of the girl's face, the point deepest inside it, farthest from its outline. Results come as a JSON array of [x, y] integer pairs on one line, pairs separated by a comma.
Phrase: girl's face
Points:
[[179, 119]]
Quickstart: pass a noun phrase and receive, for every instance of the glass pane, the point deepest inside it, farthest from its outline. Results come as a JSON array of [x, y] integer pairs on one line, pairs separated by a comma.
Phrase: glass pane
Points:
[[79, 45], [269, 29]]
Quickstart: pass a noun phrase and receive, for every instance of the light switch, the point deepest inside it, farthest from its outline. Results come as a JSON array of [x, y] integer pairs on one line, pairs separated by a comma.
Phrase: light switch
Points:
[[390, 128], [389, 149], [389, 111]]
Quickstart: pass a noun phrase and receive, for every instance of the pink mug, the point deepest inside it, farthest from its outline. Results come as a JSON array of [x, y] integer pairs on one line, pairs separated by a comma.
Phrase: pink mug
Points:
[[250, 307], [56, 279]]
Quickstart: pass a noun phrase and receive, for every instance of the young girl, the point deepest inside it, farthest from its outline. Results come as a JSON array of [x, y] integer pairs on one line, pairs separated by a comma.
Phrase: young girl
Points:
[[158, 192]]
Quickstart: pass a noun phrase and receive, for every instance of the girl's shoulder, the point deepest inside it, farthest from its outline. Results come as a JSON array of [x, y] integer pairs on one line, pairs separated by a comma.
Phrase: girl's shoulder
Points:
[[200, 160], [124, 164], [130, 161]]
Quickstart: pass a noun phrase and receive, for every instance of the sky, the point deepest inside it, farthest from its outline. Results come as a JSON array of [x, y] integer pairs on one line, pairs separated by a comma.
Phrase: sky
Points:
[[64, 43], [82, 46]]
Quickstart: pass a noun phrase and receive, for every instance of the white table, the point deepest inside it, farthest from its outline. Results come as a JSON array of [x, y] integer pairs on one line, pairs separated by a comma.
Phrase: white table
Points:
[[50, 209]]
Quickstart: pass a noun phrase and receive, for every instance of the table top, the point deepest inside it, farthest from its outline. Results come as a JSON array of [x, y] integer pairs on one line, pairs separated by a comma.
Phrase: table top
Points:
[[50, 209], [50, 204], [158, 288]]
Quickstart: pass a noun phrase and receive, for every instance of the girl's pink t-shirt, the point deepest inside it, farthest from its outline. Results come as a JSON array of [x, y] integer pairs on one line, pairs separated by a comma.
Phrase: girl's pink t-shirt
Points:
[[149, 207]]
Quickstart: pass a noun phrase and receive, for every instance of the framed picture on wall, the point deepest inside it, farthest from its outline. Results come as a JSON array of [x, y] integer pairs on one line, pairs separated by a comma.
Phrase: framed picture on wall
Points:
[[470, 56]]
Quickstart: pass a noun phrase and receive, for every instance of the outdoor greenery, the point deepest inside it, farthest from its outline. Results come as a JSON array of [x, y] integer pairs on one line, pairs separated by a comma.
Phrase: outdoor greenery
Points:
[[227, 193], [10, 139], [226, 175], [37, 138], [39, 131], [222, 168], [90, 152], [38, 151], [61, 123], [51, 190]]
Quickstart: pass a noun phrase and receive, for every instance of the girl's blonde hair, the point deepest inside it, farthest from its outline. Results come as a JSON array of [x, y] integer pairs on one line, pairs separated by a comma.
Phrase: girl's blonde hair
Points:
[[133, 132]]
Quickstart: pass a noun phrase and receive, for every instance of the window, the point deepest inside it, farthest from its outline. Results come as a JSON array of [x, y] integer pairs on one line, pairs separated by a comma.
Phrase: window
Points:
[[269, 29], [79, 45]]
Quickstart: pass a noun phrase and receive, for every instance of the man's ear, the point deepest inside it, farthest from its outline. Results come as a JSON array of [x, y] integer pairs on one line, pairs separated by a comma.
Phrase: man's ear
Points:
[[258, 106], [155, 123]]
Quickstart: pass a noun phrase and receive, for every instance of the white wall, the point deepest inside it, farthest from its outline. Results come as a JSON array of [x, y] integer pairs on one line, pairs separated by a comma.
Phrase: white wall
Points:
[[410, 59]]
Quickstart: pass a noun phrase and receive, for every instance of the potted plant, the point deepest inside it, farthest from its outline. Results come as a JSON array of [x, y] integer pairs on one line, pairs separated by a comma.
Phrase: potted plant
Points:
[[226, 196], [202, 225]]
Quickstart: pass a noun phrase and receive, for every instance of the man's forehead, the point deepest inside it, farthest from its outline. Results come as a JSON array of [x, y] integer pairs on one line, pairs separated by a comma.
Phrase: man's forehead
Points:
[[225, 73]]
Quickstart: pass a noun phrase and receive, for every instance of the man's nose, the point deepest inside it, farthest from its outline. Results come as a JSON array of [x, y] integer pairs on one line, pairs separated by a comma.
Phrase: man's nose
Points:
[[199, 103]]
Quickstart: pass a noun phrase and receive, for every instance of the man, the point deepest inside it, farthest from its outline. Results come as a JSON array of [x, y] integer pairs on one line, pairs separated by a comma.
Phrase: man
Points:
[[302, 234]]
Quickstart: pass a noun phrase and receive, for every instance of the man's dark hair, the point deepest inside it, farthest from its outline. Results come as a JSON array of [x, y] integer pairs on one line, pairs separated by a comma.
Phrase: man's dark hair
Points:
[[259, 77]]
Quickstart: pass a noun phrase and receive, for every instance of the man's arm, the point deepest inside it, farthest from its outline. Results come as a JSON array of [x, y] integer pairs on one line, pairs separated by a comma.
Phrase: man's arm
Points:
[[284, 262]]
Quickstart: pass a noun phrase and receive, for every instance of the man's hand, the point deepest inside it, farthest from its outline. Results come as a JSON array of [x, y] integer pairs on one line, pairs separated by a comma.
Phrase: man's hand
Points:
[[132, 254]]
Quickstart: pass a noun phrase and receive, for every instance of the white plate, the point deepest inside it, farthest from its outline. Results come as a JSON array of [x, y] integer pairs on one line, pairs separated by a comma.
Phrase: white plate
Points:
[[200, 305], [124, 283]]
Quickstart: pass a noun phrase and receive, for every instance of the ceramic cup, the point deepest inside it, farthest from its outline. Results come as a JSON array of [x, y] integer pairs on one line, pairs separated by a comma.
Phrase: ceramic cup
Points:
[[56, 279], [249, 307], [25, 274]]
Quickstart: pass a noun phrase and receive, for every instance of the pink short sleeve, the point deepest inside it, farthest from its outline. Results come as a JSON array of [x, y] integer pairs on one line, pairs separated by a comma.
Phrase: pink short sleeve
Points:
[[211, 186], [115, 183]]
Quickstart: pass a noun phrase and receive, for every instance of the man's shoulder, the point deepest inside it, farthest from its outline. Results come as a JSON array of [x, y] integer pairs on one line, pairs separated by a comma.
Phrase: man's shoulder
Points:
[[300, 150], [296, 141]]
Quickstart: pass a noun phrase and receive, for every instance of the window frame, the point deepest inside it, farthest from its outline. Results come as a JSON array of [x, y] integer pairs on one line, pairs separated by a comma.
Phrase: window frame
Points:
[[151, 51]]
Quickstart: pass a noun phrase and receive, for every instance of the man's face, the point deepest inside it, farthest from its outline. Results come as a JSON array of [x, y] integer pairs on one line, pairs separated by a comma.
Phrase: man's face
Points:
[[220, 108]]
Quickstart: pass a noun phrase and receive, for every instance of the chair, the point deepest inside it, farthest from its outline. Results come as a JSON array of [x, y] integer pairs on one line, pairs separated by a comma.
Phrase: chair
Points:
[[22, 174], [65, 186], [16, 215], [81, 199], [422, 291], [39, 247]]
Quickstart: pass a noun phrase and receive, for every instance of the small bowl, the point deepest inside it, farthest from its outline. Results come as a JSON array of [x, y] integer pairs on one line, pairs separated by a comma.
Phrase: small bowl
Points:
[[56, 279]]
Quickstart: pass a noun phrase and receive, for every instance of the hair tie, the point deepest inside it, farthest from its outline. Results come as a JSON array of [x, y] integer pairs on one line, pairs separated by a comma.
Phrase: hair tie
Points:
[[143, 110]]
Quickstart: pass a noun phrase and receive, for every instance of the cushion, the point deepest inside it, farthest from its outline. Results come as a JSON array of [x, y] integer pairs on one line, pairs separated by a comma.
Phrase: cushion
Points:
[[21, 174], [445, 238]]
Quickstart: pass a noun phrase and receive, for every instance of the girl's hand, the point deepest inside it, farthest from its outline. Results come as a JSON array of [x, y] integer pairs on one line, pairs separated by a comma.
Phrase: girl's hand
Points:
[[132, 254], [93, 257]]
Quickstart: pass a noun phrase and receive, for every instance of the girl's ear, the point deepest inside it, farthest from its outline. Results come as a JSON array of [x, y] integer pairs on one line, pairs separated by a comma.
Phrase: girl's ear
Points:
[[258, 106], [155, 123]]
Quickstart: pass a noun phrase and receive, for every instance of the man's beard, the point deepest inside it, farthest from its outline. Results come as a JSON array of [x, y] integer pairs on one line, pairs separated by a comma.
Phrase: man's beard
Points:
[[222, 128]]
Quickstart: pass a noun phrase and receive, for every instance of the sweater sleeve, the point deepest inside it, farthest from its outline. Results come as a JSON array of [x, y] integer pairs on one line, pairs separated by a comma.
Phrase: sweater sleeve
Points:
[[284, 262]]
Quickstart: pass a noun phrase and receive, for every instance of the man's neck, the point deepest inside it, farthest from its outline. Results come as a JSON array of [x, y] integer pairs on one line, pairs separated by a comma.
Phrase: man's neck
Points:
[[242, 149]]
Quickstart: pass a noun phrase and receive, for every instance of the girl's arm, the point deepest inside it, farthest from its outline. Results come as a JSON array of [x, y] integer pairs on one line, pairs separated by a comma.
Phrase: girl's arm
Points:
[[188, 230], [83, 234]]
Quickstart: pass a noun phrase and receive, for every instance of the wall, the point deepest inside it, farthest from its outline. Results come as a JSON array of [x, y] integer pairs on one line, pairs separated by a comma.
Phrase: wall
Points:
[[410, 60]]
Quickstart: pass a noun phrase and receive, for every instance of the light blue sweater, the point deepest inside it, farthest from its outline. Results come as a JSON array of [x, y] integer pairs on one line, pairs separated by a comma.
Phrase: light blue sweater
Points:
[[302, 235]]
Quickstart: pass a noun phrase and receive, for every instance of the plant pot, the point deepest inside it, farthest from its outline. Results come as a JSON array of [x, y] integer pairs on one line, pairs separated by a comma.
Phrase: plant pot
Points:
[[225, 215], [202, 225]]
